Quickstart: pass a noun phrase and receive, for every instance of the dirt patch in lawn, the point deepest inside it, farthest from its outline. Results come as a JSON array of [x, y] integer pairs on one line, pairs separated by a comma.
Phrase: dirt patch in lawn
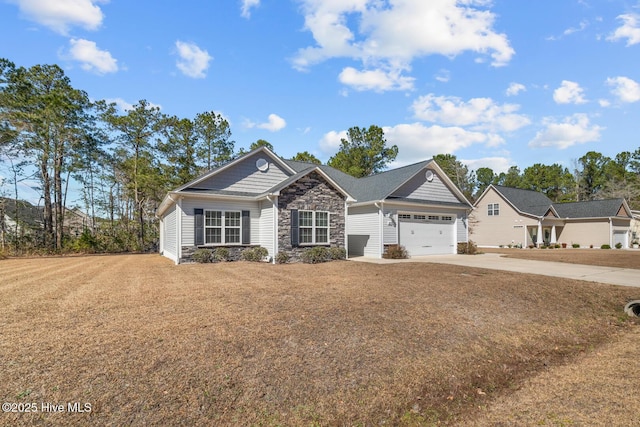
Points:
[[602, 257], [146, 342]]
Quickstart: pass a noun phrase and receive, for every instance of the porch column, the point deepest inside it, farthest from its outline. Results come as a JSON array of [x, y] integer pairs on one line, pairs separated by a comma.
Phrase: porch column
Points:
[[539, 237], [553, 234]]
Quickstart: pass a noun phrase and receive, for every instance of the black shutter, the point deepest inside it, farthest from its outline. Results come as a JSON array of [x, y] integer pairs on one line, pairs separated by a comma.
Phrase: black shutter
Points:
[[295, 233], [198, 226], [246, 228]]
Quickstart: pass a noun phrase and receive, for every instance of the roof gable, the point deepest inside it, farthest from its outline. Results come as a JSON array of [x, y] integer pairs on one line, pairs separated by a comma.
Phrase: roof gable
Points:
[[244, 175], [421, 188], [408, 183], [304, 172]]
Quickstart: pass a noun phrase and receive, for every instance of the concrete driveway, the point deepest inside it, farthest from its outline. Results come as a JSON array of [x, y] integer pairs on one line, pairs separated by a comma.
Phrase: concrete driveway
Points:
[[590, 273]]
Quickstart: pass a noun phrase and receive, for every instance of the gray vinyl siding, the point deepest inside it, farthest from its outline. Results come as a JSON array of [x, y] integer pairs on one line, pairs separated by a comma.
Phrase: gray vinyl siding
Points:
[[188, 205], [170, 248], [266, 234], [390, 227], [419, 188], [364, 231], [463, 226], [245, 177]]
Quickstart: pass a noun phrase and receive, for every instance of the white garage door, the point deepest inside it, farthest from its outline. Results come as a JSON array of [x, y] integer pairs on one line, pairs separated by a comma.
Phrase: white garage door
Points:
[[422, 234], [620, 237]]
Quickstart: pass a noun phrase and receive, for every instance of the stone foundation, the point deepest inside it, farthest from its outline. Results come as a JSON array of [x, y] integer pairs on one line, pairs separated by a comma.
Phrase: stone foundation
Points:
[[235, 252]]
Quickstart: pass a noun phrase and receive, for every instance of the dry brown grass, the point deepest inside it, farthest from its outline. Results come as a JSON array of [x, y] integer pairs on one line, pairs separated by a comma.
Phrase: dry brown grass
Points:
[[147, 342], [603, 257]]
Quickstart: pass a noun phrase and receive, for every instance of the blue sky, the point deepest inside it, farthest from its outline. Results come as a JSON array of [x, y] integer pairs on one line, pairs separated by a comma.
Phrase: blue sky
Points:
[[497, 83]]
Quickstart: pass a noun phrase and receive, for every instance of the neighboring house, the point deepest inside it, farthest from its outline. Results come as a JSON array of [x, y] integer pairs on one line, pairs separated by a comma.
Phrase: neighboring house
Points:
[[287, 206], [30, 218], [21, 217], [510, 216], [635, 227]]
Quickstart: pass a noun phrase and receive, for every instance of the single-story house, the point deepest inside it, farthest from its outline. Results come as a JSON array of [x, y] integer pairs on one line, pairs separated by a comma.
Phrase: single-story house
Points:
[[635, 227], [511, 216], [260, 199]]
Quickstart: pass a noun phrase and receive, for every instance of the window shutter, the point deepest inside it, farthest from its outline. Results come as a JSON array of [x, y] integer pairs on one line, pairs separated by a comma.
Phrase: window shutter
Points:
[[295, 234], [198, 227], [246, 228]]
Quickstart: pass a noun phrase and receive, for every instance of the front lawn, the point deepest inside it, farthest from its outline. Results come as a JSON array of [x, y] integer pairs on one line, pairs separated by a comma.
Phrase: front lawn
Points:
[[146, 342]]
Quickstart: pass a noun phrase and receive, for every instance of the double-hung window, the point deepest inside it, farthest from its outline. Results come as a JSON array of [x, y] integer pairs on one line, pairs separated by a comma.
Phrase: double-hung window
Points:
[[314, 227], [493, 209], [222, 227]]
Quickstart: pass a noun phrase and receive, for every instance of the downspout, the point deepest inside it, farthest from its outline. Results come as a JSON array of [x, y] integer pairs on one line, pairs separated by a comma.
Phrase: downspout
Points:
[[179, 231]]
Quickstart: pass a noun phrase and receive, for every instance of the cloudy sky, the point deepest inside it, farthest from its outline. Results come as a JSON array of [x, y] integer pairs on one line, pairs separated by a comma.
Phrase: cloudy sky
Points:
[[497, 83]]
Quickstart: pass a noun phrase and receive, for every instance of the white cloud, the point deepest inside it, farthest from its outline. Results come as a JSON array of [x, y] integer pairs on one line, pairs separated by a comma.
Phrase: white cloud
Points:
[[625, 89], [377, 80], [91, 58], [247, 5], [604, 103], [581, 27], [387, 36], [572, 130], [443, 76], [569, 93], [478, 113], [60, 15], [630, 29], [274, 124], [330, 142], [416, 141], [193, 61], [515, 88], [125, 106], [497, 164]]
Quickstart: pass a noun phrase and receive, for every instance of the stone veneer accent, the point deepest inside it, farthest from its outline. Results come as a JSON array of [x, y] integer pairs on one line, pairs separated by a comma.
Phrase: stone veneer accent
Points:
[[235, 252], [312, 193]]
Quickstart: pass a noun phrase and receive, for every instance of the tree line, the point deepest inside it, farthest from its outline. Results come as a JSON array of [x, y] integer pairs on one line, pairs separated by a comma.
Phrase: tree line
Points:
[[126, 161]]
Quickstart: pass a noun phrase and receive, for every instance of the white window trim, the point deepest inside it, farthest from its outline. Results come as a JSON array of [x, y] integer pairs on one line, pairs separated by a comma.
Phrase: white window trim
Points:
[[222, 228], [493, 209], [313, 229]]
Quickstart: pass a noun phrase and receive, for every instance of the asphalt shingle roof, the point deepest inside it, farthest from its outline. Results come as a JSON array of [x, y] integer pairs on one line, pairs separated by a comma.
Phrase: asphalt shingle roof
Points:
[[536, 203], [375, 187], [590, 209], [527, 201]]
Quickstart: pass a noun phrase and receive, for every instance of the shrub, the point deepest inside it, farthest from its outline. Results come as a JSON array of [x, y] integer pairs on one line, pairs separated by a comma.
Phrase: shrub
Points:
[[618, 245], [315, 255], [221, 254], [575, 245], [87, 243], [282, 258], [202, 256], [469, 248], [396, 252], [605, 247], [336, 253], [557, 246], [256, 254]]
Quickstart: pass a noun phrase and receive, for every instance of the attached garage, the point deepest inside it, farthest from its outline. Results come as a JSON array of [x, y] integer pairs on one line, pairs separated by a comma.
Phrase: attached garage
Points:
[[620, 237], [427, 234]]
